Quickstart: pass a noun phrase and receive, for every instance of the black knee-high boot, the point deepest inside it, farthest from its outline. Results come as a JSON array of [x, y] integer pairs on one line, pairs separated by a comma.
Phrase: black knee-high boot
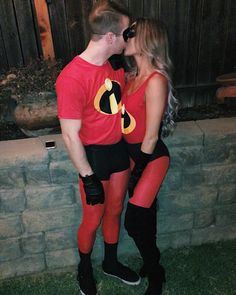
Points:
[[85, 275], [153, 228], [139, 224]]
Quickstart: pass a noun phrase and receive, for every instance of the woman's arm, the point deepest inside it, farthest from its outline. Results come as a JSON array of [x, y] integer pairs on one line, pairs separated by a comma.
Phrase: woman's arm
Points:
[[155, 97]]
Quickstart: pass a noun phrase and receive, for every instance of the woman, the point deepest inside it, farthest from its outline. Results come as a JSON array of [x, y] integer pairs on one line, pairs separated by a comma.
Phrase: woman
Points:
[[148, 111]]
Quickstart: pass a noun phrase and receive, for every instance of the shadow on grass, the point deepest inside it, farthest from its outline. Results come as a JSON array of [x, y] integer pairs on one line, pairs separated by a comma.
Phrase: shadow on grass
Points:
[[204, 270]]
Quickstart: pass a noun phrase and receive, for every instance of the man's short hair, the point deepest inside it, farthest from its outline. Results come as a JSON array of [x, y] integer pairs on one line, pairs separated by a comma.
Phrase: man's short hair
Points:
[[105, 16]]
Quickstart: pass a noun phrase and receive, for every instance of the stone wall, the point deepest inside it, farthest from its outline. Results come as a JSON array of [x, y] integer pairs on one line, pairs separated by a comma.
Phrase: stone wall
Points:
[[40, 206]]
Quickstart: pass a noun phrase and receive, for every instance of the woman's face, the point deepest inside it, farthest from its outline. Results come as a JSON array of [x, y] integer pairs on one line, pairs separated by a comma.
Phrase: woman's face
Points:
[[130, 33], [130, 48]]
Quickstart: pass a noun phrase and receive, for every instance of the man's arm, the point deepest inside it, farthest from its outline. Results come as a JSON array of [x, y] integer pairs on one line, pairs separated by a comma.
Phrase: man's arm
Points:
[[70, 129], [92, 185]]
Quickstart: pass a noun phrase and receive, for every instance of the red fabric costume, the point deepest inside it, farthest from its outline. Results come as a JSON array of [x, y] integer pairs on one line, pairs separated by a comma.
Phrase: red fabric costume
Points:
[[97, 103], [134, 127]]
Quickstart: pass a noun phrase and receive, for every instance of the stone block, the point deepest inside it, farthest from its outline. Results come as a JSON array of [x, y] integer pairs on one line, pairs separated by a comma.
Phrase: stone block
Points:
[[204, 218], [59, 153], [227, 194], [62, 258], [12, 200], [49, 196], [10, 249], [185, 134], [50, 219], [188, 199], [219, 130], [77, 194], [12, 177], [186, 156], [61, 239], [226, 215], [219, 174], [213, 234], [63, 172], [168, 223], [10, 226], [32, 244], [174, 240], [172, 181], [20, 152], [37, 174], [22, 266], [218, 153], [192, 176]]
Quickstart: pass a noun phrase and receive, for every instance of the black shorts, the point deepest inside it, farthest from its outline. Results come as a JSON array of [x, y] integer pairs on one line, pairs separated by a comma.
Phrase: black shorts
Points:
[[160, 150], [107, 159]]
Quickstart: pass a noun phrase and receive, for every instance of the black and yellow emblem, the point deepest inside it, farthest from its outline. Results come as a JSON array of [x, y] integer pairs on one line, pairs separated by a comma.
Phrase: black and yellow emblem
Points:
[[108, 98], [128, 122]]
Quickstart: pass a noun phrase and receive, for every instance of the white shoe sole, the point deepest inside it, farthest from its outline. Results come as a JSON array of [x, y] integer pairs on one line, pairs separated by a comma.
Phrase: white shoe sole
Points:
[[82, 293], [124, 281]]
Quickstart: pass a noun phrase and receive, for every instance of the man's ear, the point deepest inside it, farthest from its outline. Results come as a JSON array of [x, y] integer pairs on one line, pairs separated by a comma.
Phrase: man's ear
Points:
[[109, 37]]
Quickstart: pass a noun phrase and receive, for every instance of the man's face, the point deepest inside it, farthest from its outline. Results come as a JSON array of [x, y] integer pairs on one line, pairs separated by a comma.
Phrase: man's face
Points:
[[120, 44]]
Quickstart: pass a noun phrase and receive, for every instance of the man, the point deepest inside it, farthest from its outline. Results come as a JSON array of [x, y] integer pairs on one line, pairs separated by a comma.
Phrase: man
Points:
[[89, 109]]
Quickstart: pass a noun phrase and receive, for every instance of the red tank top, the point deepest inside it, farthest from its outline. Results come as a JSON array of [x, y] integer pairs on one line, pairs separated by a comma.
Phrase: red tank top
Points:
[[134, 112]]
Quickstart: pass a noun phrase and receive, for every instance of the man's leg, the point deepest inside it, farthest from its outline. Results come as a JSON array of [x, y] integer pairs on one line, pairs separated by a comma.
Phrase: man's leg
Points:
[[92, 216], [115, 192]]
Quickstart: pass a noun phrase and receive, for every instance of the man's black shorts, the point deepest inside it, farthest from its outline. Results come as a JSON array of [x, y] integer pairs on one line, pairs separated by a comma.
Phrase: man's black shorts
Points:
[[107, 159]]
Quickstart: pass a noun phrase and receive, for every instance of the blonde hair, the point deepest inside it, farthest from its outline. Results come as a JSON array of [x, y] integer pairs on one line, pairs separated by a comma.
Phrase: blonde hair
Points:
[[151, 39], [105, 16]]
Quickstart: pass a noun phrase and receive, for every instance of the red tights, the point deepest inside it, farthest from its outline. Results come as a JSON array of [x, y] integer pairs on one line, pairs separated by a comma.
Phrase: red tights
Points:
[[107, 214], [150, 182]]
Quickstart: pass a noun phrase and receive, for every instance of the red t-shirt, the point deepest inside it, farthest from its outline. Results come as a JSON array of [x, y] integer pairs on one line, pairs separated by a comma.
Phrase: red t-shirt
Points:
[[134, 112], [92, 94]]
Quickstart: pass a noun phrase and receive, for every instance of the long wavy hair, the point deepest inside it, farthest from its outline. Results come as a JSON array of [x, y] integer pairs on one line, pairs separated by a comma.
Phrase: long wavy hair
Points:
[[151, 39]]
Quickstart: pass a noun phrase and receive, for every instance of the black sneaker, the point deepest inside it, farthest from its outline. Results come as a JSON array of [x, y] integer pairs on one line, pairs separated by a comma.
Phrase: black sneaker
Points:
[[87, 283], [121, 272]]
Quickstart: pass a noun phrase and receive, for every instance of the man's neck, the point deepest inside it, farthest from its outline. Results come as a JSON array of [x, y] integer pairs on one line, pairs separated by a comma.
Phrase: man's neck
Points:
[[95, 54]]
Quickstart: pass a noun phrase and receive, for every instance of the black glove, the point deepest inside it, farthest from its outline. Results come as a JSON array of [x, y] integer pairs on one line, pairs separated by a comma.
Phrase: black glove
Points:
[[136, 173], [93, 189]]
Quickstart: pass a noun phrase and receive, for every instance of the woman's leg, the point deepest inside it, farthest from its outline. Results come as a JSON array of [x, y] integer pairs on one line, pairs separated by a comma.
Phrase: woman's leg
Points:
[[150, 182], [140, 221]]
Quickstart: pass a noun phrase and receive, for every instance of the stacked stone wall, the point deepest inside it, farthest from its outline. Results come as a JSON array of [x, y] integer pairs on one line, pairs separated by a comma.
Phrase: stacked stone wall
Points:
[[40, 206]]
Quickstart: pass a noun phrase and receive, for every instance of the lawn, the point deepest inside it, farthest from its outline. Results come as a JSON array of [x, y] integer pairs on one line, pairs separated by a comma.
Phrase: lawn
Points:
[[203, 270]]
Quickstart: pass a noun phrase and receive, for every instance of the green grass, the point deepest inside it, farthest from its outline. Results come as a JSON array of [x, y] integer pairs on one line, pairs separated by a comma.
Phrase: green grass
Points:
[[204, 270]]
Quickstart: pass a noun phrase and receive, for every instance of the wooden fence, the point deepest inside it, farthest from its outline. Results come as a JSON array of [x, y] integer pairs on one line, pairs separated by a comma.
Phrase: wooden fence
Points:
[[202, 37]]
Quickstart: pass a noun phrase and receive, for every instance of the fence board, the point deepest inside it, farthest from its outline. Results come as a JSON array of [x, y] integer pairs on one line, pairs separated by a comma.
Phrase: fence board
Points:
[[10, 34], [75, 27], [26, 30], [151, 8], [57, 15], [229, 56], [3, 57], [43, 23], [136, 8], [210, 53]]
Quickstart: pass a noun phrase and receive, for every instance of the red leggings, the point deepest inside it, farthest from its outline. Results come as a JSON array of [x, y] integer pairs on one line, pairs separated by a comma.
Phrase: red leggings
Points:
[[150, 182], [108, 213]]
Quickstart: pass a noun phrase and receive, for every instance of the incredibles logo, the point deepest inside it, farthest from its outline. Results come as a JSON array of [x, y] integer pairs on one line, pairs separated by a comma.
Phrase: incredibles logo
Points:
[[128, 122], [108, 98]]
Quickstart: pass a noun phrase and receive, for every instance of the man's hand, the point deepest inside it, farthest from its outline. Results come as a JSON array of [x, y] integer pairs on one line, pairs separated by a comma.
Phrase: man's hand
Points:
[[93, 189]]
